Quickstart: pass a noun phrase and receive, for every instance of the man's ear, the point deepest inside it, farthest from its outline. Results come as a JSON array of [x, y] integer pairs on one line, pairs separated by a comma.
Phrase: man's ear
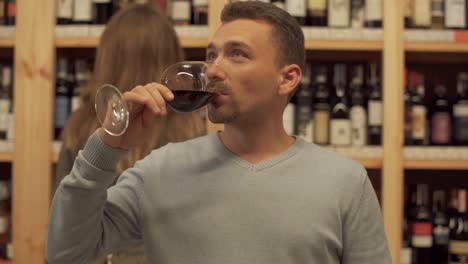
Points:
[[290, 76]]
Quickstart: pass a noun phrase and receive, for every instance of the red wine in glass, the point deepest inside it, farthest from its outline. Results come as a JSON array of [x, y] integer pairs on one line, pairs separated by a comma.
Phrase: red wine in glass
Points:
[[187, 80]]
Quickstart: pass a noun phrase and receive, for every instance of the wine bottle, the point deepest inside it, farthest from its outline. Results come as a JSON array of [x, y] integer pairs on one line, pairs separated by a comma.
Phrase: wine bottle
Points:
[[460, 111], [421, 226], [62, 98], [357, 13], [199, 12], [10, 12], [321, 107], [303, 116], [437, 14], [440, 229], [374, 107], [418, 110], [279, 3], [373, 14], [82, 12], [455, 14], [297, 9], [340, 124], [408, 12], [408, 116], [358, 111], [2, 12], [103, 11], [422, 14], [339, 13], [441, 125], [64, 11], [458, 246], [180, 12], [5, 100], [317, 13]]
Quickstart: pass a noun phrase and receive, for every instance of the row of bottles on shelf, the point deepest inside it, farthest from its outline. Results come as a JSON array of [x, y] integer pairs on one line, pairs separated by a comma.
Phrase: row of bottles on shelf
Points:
[[6, 247], [7, 12], [436, 14], [71, 77], [439, 122], [182, 12], [437, 234], [335, 111], [6, 99], [333, 13]]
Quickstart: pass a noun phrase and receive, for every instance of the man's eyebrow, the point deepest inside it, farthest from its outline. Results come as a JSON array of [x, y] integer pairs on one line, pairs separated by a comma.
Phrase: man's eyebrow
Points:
[[230, 44]]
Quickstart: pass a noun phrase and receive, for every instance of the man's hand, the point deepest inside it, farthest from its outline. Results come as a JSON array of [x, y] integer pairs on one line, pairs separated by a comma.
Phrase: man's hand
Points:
[[145, 103]]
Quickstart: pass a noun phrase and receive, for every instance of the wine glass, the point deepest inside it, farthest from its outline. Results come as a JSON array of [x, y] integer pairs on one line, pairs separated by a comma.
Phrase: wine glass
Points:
[[187, 80]]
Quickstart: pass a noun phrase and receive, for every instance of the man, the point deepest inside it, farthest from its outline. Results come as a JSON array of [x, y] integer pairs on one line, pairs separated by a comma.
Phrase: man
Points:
[[249, 194]]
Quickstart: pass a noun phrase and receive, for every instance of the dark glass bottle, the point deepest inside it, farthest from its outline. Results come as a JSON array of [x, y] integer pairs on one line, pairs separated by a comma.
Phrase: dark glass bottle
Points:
[[440, 229], [441, 124], [321, 107], [421, 226], [374, 107]]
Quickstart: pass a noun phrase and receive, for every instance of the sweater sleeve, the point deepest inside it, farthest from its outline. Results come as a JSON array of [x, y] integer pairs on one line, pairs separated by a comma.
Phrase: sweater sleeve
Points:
[[88, 220], [364, 236]]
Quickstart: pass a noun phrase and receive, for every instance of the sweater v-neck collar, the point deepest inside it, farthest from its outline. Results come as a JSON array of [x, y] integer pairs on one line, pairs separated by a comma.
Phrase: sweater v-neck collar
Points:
[[225, 154]]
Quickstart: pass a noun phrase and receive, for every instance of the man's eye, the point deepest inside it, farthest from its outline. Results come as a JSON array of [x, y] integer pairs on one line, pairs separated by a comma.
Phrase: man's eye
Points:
[[237, 53], [210, 56]]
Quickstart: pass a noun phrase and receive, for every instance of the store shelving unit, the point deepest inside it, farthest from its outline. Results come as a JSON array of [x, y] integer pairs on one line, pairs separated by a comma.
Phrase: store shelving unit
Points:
[[35, 44]]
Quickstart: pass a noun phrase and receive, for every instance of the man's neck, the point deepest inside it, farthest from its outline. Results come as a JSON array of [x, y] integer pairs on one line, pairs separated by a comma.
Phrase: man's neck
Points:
[[256, 143]]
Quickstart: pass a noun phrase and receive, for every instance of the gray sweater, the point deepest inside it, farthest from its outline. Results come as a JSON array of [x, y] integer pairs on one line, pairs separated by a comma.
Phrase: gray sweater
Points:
[[196, 202]]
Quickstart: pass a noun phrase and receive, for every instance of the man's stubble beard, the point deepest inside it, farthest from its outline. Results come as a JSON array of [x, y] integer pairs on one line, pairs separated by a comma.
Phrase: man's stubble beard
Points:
[[217, 117]]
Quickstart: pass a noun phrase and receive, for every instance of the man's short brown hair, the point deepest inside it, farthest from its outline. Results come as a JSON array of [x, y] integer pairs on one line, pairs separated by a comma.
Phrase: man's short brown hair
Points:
[[287, 35]]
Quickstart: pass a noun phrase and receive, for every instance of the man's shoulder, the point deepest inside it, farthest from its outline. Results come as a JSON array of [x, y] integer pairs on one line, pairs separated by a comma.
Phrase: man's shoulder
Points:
[[331, 163]]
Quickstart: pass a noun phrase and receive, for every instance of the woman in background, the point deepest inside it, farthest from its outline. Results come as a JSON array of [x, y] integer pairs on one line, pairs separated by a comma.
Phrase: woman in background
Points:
[[138, 43]]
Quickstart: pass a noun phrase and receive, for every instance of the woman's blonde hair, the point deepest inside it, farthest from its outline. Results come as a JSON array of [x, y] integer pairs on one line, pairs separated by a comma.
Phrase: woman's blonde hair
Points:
[[139, 42]]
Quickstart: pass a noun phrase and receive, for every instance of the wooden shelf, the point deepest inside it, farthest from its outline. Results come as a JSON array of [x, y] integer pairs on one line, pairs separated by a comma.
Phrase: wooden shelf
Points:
[[370, 163], [92, 42], [434, 47], [6, 156], [7, 42], [350, 45], [436, 164]]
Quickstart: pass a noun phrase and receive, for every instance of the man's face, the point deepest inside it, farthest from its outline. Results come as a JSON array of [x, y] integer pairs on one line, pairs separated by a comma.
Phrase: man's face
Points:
[[242, 67]]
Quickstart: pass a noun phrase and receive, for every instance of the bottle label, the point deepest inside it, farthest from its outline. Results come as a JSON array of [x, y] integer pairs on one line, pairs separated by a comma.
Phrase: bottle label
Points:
[[62, 106], [373, 10], [288, 119], [460, 110], [296, 8], [3, 224], [358, 126], [2, 9], [455, 14], [461, 129], [304, 121], [321, 122], [458, 252], [421, 234], [375, 113], [422, 13], [83, 10], [441, 235], [11, 12], [408, 8], [340, 132], [338, 13], [64, 8], [437, 7], [317, 5], [280, 5], [441, 128], [4, 109], [419, 122], [200, 2], [181, 10]]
